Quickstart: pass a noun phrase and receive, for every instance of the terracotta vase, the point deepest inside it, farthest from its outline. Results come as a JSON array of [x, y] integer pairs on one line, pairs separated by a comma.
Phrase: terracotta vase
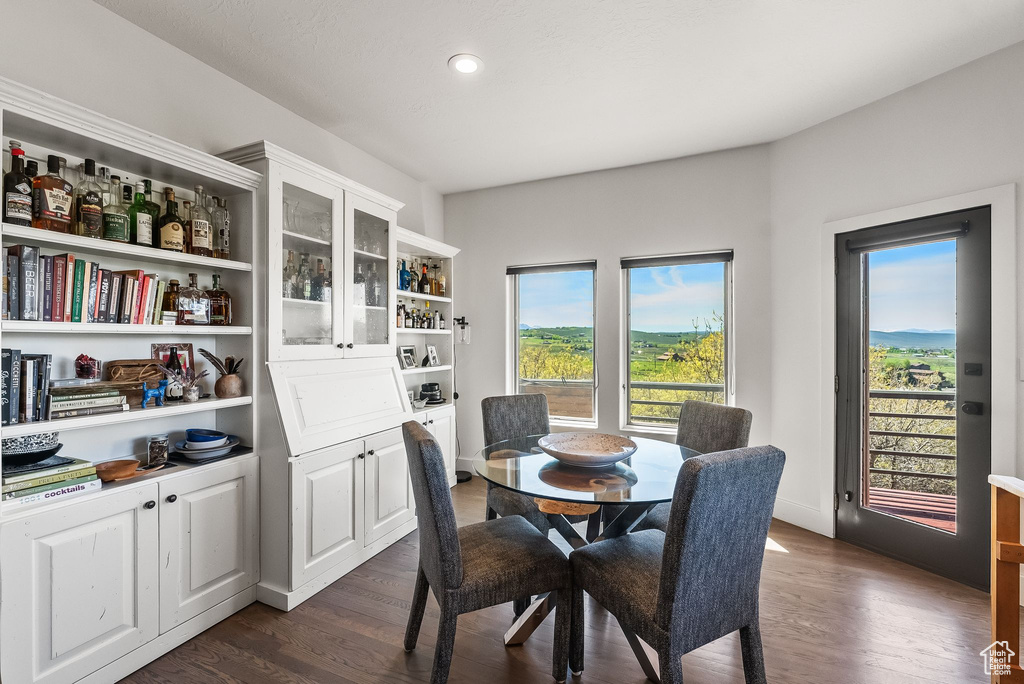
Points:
[[228, 386]]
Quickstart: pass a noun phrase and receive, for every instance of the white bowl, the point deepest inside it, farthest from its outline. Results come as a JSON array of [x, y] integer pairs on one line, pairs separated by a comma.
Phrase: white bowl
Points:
[[587, 449], [207, 445]]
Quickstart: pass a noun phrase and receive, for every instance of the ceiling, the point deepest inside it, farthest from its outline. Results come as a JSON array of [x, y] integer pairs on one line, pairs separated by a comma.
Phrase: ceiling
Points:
[[573, 85]]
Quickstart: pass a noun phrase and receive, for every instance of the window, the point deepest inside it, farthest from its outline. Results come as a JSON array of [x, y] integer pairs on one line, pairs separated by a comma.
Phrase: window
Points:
[[676, 334], [553, 337]]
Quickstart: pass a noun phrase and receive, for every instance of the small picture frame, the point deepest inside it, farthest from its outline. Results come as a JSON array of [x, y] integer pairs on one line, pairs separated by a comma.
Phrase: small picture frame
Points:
[[162, 352], [412, 396], [407, 356], [432, 355]]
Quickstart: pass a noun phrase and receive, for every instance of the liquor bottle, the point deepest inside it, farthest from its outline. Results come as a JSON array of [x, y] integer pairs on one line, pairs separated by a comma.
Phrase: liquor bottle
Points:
[[400, 316], [89, 203], [174, 389], [434, 285], [317, 288], [442, 286], [220, 303], [359, 286], [424, 281], [221, 229], [374, 290], [31, 168], [198, 239], [404, 277], [17, 190], [408, 318], [154, 208], [62, 167], [116, 224], [304, 280], [193, 303], [288, 277], [142, 220], [104, 183], [127, 192], [169, 306], [172, 235], [52, 199], [440, 321], [329, 286]]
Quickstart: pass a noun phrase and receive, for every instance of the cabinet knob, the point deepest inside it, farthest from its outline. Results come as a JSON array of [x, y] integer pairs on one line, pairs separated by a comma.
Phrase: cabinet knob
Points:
[[425, 423], [361, 455], [431, 421], [149, 505], [370, 452], [340, 345], [172, 498], [349, 345]]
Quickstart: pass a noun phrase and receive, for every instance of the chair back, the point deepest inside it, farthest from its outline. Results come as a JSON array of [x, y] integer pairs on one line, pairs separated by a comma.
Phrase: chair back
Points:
[[516, 415], [708, 428], [714, 545], [440, 554]]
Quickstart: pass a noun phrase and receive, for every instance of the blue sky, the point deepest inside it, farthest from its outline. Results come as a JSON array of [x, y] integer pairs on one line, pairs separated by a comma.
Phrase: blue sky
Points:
[[913, 287], [549, 300]]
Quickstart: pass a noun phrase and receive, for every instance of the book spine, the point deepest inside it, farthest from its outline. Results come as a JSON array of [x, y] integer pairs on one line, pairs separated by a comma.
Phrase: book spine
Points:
[[3, 277], [58, 404], [47, 479], [17, 494], [90, 312], [151, 281], [44, 364], [79, 290], [61, 493], [5, 387], [69, 287], [93, 411], [158, 302], [140, 300], [27, 409], [29, 257], [13, 284], [104, 303], [59, 393], [115, 297], [73, 467], [15, 385], [60, 267], [47, 262]]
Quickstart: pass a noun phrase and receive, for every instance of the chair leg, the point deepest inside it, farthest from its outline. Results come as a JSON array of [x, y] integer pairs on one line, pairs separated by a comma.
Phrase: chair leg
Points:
[[490, 514], [419, 603], [753, 654], [445, 646], [593, 526], [576, 631], [563, 621], [671, 666]]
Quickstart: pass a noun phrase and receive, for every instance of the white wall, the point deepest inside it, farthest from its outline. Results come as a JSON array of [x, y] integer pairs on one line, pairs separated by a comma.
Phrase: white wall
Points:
[[961, 131], [699, 203], [70, 49]]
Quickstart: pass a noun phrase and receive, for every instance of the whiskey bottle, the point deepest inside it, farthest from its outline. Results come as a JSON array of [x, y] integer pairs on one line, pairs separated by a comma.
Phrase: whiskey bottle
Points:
[[440, 321], [317, 288], [169, 305], [193, 304], [221, 229], [116, 224], [141, 219], [288, 277], [17, 190], [374, 290], [52, 199], [304, 281], [400, 317], [197, 231], [408, 318], [220, 303], [359, 295], [174, 389], [89, 204], [104, 182], [424, 287], [31, 168], [172, 235], [329, 287]]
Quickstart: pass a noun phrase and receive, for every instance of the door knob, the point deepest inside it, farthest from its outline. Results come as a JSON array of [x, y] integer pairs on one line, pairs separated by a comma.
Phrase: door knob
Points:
[[973, 408], [172, 498], [149, 505]]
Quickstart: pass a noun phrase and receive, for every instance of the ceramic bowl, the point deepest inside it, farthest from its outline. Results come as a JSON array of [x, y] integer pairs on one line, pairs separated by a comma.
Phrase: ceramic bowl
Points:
[[30, 457], [109, 471], [206, 445], [587, 449], [204, 435], [29, 444]]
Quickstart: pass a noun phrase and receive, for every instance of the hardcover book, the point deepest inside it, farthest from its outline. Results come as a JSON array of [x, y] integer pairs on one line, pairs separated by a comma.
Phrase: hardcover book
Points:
[[47, 478], [115, 297], [19, 493], [66, 403], [43, 365], [3, 277], [15, 386], [52, 466], [46, 263], [69, 286], [60, 493], [93, 411], [60, 267], [13, 285], [5, 386], [28, 257], [104, 297], [93, 270], [78, 291], [27, 408]]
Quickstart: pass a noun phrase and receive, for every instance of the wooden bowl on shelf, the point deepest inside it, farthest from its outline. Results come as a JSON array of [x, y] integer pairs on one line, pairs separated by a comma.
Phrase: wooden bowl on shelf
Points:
[[108, 471]]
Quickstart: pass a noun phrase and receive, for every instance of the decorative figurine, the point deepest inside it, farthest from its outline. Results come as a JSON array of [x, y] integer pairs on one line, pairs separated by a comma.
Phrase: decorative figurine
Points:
[[157, 394], [229, 384]]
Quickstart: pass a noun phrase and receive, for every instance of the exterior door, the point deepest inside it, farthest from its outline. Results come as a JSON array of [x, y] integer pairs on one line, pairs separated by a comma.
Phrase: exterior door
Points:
[[209, 539], [80, 586], [389, 499], [371, 243], [913, 385], [307, 265]]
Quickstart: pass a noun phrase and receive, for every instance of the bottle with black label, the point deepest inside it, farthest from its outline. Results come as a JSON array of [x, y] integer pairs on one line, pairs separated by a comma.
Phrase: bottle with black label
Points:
[[172, 233], [17, 190], [198, 238], [89, 204], [116, 224], [174, 389], [52, 199]]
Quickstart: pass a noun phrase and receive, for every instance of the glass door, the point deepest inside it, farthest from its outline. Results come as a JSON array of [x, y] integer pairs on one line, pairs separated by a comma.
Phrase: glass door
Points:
[[306, 259], [370, 285]]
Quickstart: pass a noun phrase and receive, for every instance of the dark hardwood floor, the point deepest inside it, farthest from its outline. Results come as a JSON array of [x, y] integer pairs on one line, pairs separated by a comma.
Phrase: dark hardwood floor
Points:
[[830, 612]]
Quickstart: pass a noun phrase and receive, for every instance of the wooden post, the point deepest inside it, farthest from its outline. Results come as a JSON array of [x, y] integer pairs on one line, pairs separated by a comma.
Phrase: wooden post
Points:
[[1005, 589]]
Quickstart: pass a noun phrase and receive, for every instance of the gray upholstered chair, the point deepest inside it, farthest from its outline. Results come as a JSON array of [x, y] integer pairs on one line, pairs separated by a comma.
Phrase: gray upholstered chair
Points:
[[699, 582], [479, 565], [706, 428]]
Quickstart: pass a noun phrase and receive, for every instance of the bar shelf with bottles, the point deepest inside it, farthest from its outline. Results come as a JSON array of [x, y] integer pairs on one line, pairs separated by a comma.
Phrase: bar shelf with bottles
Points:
[[423, 283]]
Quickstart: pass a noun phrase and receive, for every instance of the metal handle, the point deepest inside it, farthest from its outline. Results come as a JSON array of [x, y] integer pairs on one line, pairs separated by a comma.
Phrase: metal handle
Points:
[[340, 345], [370, 452], [361, 455], [973, 408], [349, 345], [149, 505], [431, 421], [172, 498], [424, 423]]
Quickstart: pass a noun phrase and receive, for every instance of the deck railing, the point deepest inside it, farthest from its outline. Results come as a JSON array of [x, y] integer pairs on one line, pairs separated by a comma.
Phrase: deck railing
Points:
[[652, 395], [909, 433]]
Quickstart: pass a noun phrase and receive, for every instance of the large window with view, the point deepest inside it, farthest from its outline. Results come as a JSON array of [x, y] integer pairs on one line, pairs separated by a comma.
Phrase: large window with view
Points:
[[553, 336], [677, 332]]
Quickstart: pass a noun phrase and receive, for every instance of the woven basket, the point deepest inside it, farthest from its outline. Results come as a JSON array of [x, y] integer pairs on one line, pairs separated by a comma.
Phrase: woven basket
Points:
[[140, 371]]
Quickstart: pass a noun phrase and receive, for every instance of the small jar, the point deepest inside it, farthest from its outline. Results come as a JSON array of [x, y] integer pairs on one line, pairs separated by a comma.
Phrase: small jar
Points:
[[157, 451]]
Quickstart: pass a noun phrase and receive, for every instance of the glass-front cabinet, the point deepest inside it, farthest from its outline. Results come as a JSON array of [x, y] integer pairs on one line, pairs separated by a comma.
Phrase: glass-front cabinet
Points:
[[371, 244]]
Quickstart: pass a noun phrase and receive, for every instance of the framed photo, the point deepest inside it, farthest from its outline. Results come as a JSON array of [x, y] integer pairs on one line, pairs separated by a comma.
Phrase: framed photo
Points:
[[412, 396], [407, 356], [163, 353], [432, 355]]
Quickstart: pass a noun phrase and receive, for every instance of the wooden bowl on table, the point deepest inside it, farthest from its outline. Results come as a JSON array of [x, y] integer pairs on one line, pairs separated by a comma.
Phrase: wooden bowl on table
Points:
[[108, 471]]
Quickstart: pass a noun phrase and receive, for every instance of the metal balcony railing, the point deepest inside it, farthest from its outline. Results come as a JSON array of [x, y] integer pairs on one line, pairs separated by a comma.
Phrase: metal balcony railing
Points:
[[704, 391], [906, 440]]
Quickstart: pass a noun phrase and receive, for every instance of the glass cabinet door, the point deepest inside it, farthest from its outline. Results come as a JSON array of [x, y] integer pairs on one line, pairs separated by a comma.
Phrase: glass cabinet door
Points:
[[305, 263], [370, 318]]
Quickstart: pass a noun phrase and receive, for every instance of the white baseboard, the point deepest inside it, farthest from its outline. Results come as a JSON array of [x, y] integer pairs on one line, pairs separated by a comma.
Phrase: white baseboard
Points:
[[465, 464], [151, 650], [805, 516], [287, 600]]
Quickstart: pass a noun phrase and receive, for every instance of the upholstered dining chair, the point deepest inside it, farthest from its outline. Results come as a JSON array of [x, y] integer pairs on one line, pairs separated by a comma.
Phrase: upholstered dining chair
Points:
[[476, 566], [707, 428], [681, 590]]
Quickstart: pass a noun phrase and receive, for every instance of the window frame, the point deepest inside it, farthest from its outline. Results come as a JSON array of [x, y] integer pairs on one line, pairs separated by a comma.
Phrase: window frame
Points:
[[512, 274], [626, 264]]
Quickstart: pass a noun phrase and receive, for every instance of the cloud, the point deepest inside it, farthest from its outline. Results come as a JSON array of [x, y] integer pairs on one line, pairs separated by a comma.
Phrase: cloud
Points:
[[916, 292]]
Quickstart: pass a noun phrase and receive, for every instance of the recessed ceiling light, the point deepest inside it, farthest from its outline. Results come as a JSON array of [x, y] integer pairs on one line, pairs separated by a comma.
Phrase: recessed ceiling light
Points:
[[465, 64]]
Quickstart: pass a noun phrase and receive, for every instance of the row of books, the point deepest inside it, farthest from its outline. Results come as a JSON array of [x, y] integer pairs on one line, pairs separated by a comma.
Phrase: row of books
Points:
[[28, 394], [67, 477], [66, 288]]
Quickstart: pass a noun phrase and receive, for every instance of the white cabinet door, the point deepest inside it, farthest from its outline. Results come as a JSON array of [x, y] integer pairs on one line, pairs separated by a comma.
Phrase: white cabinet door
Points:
[[370, 246], [389, 501], [327, 510], [209, 538], [80, 586], [441, 424]]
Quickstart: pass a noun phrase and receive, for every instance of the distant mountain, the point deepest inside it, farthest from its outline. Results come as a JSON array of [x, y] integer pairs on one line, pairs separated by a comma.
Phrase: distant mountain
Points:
[[922, 330], [523, 326], [914, 339]]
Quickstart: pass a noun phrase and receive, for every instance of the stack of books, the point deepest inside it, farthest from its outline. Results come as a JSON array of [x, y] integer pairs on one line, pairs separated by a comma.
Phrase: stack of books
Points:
[[66, 288], [55, 478], [85, 400], [24, 393]]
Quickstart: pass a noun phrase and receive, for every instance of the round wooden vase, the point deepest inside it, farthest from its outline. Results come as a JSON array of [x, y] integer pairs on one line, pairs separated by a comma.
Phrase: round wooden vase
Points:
[[228, 386]]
